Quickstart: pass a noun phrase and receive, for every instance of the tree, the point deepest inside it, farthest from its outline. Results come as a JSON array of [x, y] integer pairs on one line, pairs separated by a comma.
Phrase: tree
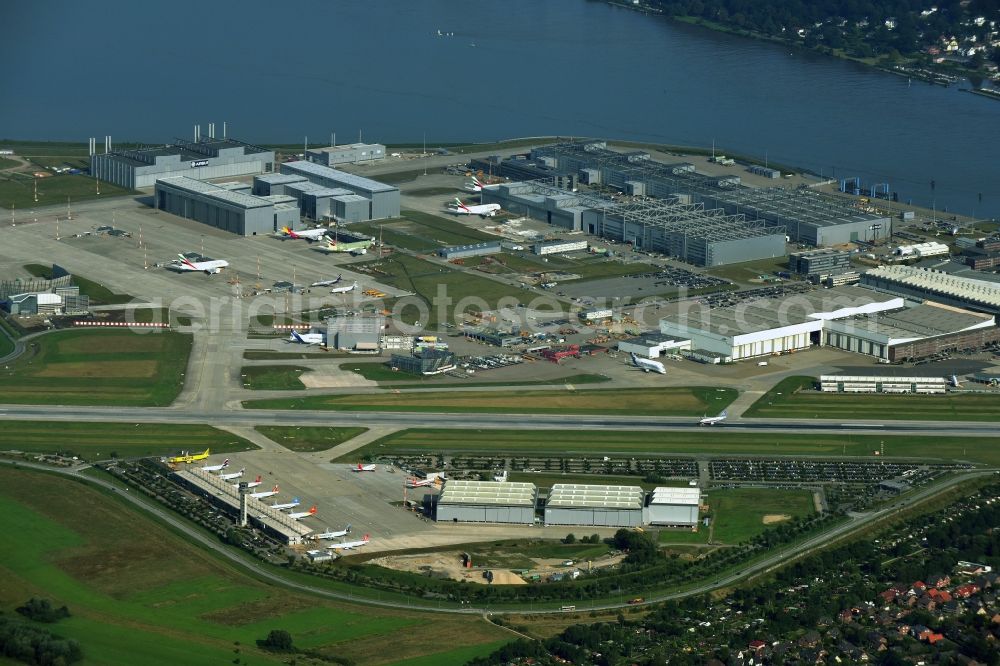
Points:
[[278, 640], [570, 538]]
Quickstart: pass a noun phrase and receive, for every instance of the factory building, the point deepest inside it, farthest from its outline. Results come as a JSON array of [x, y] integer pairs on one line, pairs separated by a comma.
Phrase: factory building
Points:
[[274, 183], [427, 362], [223, 208], [922, 250], [880, 384], [978, 295], [675, 507], [849, 318], [521, 168], [598, 506], [203, 159], [547, 203], [354, 332], [559, 246], [474, 250], [653, 344], [351, 153], [823, 261], [487, 502], [381, 200], [493, 337], [804, 215]]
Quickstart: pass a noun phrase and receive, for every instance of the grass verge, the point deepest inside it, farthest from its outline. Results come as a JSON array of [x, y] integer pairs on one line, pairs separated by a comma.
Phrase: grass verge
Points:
[[273, 377], [99, 294], [308, 439]]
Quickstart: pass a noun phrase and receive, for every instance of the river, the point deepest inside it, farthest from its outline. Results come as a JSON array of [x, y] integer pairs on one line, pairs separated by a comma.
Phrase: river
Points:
[[278, 72]]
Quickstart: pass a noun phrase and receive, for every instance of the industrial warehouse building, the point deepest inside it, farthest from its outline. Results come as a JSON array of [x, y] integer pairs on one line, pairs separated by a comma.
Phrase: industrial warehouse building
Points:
[[354, 332], [805, 216], [380, 200], [474, 250], [203, 159], [850, 318], [426, 362], [487, 502], [652, 344], [559, 246], [823, 261], [224, 207], [913, 282], [351, 153], [675, 507], [598, 506], [881, 384]]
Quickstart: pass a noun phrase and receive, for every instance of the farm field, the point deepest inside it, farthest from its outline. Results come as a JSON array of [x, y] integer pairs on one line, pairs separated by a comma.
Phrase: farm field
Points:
[[665, 401], [307, 439], [739, 514], [135, 589], [793, 398], [100, 441], [273, 377], [715, 442], [98, 367]]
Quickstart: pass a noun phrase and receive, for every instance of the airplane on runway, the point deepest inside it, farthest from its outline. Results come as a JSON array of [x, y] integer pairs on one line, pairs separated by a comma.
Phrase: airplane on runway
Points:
[[189, 458], [364, 468], [287, 505], [483, 210], [712, 420], [216, 468], [334, 534], [307, 338], [303, 514], [266, 493], [648, 365], [344, 290], [310, 235], [348, 545], [327, 283], [233, 475], [253, 484], [474, 186], [210, 267]]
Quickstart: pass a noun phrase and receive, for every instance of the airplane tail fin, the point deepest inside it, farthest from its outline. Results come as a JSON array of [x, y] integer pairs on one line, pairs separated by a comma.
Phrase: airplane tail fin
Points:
[[348, 528], [225, 463], [366, 537], [296, 336], [275, 489], [257, 479], [312, 509], [724, 413]]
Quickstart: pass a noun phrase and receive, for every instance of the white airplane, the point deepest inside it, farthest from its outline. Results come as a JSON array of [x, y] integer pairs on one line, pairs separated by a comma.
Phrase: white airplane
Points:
[[233, 475], [364, 468], [485, 210], [418, 483], [954, 382], [326, 283], [216, 468], [266, 493], [348, 545], [712, 420], [287, 505], [648, 365], [474, 186], [344, 290], [303, 514], [207, 267], [252, 484], [310, 235], [307, 338], [334, 534]]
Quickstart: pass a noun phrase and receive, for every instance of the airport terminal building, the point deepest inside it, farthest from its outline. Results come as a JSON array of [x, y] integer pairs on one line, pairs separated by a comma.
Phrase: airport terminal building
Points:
[[204, 159]]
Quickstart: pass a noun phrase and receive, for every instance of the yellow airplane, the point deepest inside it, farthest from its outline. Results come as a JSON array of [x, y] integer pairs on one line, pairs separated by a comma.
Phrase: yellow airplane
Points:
[[190, 457]]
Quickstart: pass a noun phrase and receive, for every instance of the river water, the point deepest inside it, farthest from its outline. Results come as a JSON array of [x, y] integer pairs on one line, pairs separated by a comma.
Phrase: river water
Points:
[[277, 72]]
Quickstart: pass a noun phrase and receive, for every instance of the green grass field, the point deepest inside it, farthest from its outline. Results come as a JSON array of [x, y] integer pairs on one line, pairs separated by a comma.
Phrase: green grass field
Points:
[[380, 372], [18, 190], [793, 398], [97, 441], [7, 337], [98, 367], [739, 514], [715, 442], [136, 590], [264, 355], [99, 294], [750, 270], [306, 438], [273, 377], [659, 402]]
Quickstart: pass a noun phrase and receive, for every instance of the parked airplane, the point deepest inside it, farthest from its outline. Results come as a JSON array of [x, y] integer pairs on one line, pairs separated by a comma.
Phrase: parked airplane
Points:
[[287, 505], [348, 545], [712, 420], [326, 283], [954, 381], [485, 210], [233, 475], [216, 468], [648, 365], [303, 514], [474, 186], [307, 338], [344, 290], [334, 534], [310, 235], [364, 468], [207, 267], [266, 493], [418, 483], [189, 458], [252, 484]]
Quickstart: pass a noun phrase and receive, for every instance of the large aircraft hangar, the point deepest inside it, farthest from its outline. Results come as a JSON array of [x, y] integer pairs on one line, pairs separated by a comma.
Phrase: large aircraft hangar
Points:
[[674, 507], [487, 502], [596, 506]]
